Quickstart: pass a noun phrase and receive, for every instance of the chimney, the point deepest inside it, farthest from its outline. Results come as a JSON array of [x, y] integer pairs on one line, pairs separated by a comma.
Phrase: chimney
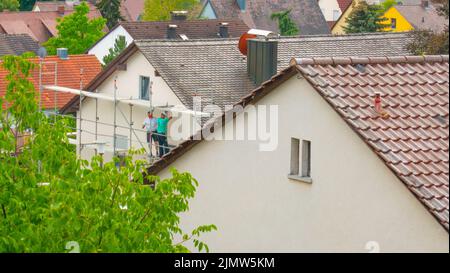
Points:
[[180, 15], [241, 4], [172, 31], [61, 10], [261, 59], [425, 4], [62, 53], [223, 30], [377, 103]]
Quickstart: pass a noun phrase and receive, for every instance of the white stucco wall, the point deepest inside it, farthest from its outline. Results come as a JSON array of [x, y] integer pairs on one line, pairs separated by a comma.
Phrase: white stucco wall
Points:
[[127, 87], [101, 49], [328, 8], [354, 197]]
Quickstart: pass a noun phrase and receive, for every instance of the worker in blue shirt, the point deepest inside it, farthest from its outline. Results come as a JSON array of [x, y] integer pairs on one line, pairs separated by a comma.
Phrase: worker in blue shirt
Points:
[[162, 134]]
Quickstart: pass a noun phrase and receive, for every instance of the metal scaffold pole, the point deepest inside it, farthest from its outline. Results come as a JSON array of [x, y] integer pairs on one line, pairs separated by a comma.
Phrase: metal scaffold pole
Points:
[[131, 125], [80, 112], [115, 116]]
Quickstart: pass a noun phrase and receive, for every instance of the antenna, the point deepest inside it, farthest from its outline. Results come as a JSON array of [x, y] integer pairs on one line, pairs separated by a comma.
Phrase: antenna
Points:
[[42, 52]]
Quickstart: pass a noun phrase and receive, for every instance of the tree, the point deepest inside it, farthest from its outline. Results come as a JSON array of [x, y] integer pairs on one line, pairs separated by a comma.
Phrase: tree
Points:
[[110, 10], [366, 18], [119, 45], [159, 10], [387, 4], [11, 5], [429, 42], [51, 201], [286, 26], [26, 5], [76, 31]]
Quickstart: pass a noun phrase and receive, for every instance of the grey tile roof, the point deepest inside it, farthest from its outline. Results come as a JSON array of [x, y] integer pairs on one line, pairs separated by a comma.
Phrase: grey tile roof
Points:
[[193, 29], [423, 18], [216, 70], [17, 44], [305, 13]]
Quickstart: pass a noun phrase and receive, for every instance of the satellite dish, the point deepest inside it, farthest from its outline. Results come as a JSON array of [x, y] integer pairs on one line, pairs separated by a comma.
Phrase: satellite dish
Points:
[[243, 42], [42, 52]]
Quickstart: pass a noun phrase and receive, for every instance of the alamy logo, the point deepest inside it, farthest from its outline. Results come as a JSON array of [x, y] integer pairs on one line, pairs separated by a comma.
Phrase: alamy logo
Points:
[[254, 123]]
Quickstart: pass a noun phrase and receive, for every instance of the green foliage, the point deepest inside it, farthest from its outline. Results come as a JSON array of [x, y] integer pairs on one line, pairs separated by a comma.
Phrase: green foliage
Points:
[[26, 5], [428, 43], [387, 4], [51, 201], [286, 26], [110, 10], [366, 18], [76, 32], [119, 45], [11, 5], [159, 10]]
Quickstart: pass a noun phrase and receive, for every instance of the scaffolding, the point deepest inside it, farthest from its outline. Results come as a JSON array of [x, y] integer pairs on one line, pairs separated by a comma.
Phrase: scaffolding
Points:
[[116, 101]]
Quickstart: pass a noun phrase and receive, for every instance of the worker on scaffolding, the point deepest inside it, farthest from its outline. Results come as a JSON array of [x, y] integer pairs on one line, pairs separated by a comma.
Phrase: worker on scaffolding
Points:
[[151, 126], [162, 134]]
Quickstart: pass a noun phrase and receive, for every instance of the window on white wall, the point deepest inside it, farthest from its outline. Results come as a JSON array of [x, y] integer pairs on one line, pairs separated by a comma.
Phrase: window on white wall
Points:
[[300, 165], [295, 156], [306, 158], [336, 14], [144, 88]]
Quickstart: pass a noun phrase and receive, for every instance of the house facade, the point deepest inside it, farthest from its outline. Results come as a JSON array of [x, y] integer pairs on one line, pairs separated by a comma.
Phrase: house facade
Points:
[[364, 189], [338, 26], [415, 16], [333, 9]]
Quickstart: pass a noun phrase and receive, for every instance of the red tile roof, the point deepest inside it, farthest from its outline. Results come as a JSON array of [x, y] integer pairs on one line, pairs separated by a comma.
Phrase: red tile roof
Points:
[[343, 4], [68, 76], [331, 24], [131, 9], [411, 135], [39, 25], [412, 138]]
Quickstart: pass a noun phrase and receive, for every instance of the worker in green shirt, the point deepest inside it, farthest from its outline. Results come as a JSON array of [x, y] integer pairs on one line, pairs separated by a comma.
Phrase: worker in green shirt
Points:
[[162, 134]]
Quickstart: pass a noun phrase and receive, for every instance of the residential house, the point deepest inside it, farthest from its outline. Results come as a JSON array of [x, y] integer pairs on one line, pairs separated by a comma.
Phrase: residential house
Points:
[[73, 71], [415, 15], [360, 165], [256, 13], [175, 72], [333, 9], [132, 10], [69, 6], [337, 27], [177, 28], [41, 26], [17, 44]]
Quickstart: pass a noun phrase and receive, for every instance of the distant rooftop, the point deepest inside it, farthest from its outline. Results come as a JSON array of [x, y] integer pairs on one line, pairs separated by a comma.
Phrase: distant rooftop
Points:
[[39, 25], [17, 44], [256, 13], [193, 29], [68, 76]]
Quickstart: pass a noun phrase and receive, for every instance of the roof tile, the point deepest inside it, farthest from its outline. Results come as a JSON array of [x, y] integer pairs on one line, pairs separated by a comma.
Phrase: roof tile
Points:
[[68, 76], [413, 140]]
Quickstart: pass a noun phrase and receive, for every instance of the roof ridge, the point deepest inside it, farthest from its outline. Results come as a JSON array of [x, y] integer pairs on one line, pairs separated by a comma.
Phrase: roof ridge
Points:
[[369, 60]]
